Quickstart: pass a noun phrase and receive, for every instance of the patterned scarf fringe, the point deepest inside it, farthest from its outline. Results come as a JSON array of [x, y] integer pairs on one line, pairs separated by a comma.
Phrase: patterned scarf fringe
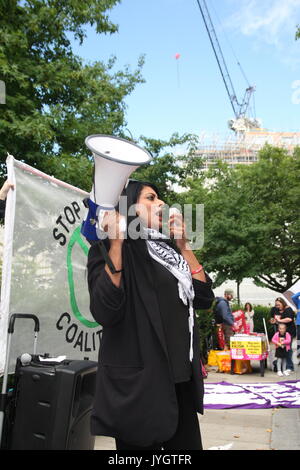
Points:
[[176, 264]]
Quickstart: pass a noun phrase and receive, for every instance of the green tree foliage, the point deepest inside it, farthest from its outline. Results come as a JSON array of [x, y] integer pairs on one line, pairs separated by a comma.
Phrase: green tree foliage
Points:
[[274, 197], [173, 163], [53, 99], [227, 249], [252, 226]]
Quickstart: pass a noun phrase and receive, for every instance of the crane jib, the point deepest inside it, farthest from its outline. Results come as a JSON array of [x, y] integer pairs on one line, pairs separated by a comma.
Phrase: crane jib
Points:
[[239, 109]]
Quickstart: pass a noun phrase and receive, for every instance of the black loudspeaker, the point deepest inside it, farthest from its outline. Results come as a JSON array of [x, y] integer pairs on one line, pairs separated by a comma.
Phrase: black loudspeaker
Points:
[[52, 405]]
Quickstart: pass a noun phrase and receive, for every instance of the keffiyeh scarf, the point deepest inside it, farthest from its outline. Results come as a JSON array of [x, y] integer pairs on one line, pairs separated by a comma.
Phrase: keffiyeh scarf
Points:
[[164, 254]]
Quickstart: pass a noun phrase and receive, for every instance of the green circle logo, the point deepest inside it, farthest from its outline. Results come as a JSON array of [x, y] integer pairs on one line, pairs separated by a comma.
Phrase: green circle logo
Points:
[[76, 238]]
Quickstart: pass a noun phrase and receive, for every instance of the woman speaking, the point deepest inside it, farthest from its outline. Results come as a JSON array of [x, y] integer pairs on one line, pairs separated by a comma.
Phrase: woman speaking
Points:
[[149, 381]]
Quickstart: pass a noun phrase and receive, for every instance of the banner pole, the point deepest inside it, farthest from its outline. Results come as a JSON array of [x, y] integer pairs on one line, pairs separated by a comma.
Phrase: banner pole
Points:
[[268, 343], [7, 259]]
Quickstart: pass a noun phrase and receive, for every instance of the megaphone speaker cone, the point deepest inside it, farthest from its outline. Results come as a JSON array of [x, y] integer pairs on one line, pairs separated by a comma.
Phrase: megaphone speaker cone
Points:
[[115, 159], [117, 149]]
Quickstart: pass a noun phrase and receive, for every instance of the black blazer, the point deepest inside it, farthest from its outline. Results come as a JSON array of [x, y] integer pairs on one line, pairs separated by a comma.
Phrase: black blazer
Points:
[[135, 396]]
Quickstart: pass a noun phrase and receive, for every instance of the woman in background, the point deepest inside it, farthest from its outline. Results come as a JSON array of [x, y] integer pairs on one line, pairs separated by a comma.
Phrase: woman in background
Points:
[[249, 314], [286, 315]]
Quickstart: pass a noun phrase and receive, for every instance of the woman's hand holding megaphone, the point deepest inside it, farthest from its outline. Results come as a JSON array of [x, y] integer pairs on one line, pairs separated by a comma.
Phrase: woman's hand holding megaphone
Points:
[[114, 225]]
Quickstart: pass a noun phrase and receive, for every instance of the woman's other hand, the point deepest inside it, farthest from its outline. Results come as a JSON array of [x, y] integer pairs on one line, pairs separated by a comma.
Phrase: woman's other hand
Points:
[[178, 231]]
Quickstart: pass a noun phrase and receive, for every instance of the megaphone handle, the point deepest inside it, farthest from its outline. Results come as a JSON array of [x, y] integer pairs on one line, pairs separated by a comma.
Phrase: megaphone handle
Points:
[[101, 217], [107, 259]]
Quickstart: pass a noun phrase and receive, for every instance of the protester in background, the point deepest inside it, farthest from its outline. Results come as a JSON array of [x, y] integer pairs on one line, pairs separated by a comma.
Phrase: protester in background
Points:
[[282, 339], [3, 195], [296, 300], [249, 314], [286, 315], [223, 316]]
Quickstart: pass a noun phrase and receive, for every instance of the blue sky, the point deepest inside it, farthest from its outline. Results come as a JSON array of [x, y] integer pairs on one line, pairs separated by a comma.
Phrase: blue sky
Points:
[[188, 95]]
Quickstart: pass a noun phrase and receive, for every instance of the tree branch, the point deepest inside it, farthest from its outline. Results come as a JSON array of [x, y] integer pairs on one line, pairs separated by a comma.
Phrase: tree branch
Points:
[[270, 282]]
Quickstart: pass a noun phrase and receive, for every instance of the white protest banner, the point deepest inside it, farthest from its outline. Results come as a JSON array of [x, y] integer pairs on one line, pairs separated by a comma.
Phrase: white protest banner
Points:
[[44, 268]]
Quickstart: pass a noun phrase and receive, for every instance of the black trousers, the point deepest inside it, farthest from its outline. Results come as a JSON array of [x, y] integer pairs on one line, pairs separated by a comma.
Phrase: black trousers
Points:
[[187, 435]]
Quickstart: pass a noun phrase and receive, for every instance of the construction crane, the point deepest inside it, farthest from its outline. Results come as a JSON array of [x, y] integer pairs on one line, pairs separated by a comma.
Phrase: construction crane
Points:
[[241, 123]]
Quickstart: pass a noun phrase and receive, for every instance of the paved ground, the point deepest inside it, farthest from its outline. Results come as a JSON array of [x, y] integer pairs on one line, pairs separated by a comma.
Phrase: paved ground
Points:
[[265, 429]]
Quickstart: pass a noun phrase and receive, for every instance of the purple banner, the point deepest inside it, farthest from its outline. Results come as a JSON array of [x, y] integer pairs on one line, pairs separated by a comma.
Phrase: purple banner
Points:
[[224, 395]]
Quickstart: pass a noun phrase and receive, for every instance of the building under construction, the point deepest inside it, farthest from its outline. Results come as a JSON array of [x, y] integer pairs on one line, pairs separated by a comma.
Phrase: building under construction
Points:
[[248, 137], [243, 148]]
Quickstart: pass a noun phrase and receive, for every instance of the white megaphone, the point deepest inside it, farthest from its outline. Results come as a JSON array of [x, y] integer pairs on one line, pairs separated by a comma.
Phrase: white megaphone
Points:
[[115, 159]]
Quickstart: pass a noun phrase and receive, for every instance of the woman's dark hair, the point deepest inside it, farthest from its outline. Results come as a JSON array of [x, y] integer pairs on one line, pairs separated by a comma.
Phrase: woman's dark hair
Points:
[[132, 191], [248, 303]]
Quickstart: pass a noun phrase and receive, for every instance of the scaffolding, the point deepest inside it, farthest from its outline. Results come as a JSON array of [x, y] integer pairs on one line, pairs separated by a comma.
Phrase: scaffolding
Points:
[[243, 148]]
